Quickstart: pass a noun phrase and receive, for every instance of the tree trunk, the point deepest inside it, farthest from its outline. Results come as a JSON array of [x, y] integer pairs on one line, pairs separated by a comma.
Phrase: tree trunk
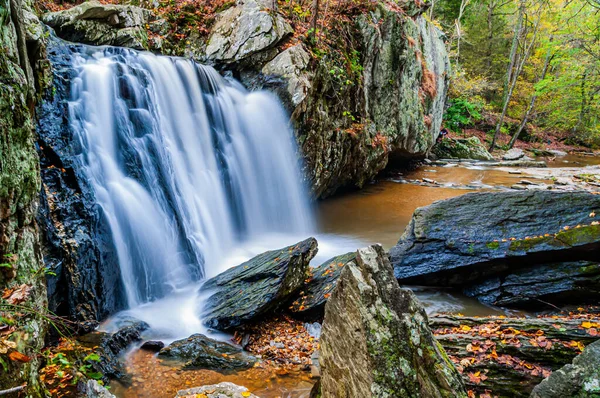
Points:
[[314, 18], [532, 103], [509, 72], [512, 355]]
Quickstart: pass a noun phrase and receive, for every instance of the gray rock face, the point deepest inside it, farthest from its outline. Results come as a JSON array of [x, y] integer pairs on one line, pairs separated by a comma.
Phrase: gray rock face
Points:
[[461, 148], [375, 339], [394, 111], [245, 30], [102, 24], [505, 247], [257, 286], [581, 379], [221, 390], [405, 65], [22, 58], [291, 65], [199, 351], [323, 279]]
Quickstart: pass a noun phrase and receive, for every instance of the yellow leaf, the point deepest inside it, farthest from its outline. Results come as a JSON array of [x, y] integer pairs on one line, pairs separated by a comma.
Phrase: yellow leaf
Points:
[[465, 328], [246, 394], [586, 325]]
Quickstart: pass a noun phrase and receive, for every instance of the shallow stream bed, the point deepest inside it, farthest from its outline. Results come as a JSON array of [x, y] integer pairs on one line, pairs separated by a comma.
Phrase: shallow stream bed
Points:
[[378, 213]]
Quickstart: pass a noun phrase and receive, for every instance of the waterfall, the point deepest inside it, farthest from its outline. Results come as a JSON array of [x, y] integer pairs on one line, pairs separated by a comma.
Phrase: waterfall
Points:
[[185, 165]]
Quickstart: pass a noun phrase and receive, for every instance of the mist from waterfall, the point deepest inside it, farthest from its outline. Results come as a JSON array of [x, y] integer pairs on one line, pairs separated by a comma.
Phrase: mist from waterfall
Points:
[[187, 167]]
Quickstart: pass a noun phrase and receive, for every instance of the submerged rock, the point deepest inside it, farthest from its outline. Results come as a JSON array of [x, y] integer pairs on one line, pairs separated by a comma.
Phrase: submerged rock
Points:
[[581, 379], [311, 301], [221, 390], [376, 341], [461, 148], [199, 351], [257, 286], [505, 247], [102, 24], [245, 30]]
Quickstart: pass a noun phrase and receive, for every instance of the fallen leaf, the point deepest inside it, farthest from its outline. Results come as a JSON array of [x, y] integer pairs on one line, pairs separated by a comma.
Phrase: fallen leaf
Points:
[[18, 357]]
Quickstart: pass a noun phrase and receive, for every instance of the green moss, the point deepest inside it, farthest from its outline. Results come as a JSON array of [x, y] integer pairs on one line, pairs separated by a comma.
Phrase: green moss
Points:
[[579, 236], [493, 245], [529, 244]]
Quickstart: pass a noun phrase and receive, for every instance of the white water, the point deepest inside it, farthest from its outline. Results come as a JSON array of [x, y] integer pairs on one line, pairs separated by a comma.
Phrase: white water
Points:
[[194, 174]]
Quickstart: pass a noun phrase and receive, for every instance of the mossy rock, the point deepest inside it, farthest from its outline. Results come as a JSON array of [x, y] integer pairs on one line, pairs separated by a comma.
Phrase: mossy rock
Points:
[[461, 148]]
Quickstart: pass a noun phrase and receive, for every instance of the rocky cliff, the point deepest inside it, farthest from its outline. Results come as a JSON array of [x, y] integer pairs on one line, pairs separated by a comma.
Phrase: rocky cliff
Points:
[[22, 276], [376, 95]]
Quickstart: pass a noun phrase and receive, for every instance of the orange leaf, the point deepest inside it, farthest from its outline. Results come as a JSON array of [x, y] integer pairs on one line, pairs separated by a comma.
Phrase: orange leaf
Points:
[[18, 357]]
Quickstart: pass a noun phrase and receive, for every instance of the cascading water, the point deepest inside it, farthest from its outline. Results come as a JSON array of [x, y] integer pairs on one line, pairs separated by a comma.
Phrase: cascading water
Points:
[[187, 166]]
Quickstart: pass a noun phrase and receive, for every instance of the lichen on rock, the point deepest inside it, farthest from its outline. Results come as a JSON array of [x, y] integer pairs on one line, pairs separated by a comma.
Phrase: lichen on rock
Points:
[[375, 339]]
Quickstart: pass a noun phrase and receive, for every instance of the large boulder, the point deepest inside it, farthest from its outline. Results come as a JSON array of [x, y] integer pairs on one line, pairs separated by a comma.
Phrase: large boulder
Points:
[[95, 23], [310, 303], [257, 286], [581, 379], [461, 148], [221, 390], [245, 30], [505, 247], [375, 340], [199, 351]]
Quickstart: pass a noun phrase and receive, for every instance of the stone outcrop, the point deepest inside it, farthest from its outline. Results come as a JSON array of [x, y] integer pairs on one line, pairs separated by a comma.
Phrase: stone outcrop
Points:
[[199, 351], [221, 390], [22, 276], [461, 148], [243, 31], [375, 340], [508, 248], [317, 289], [102, 24], [259, 285], [291, 65], [392, 111], [577, 380]]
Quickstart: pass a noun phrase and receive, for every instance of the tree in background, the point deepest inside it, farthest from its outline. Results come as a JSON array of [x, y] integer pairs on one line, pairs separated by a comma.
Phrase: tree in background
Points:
[[532, 61]]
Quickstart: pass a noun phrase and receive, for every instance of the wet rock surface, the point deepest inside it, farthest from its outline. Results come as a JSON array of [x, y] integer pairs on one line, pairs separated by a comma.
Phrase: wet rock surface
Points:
[[221, 390], [376, 341], [199, 351], [102, 24], [113, 345], [532, 241], [85, 282], [317, 290], [578, 380], [461, 148], [259, 285]]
